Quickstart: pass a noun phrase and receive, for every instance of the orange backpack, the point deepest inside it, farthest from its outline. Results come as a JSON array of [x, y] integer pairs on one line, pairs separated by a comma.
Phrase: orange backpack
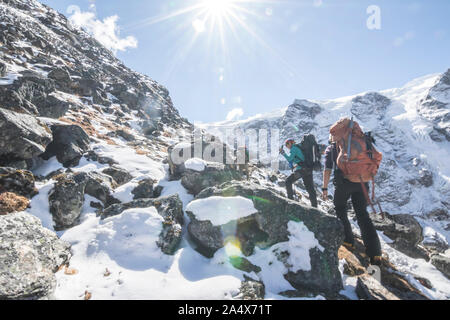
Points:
[[357, 157]]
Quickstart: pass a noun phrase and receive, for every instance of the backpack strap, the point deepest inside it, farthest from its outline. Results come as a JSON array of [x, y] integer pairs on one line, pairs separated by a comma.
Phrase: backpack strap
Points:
[[350, 139]]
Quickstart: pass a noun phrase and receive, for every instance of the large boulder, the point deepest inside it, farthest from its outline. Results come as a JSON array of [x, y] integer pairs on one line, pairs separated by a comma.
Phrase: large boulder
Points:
[[212, 175], [23, 138], [170, 208], [269, 226], [66, 199], [99, 185], [52, 106], [17, 181], [405, 231], [29, 257], [69, 144]]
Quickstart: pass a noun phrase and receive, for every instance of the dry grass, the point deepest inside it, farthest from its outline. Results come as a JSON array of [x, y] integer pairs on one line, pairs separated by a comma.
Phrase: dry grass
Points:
[[11, 202]]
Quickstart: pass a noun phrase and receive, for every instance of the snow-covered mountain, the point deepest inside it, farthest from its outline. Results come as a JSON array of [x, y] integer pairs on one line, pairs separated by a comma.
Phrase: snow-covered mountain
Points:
[[92, 206], [411, 128]]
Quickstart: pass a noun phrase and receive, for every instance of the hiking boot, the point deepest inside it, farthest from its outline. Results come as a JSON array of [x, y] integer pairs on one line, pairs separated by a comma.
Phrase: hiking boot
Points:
[[348, 245], [376, 260]]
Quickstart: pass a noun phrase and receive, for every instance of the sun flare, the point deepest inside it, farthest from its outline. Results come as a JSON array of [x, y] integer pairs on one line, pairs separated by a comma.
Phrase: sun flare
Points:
[[217, 7]]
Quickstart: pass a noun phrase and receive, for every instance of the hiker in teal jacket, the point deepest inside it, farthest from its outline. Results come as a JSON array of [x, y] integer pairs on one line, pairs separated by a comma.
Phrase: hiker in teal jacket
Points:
[[295, 159]]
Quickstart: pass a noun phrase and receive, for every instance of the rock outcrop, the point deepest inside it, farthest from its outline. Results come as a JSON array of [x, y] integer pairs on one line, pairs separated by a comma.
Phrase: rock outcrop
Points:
[[405, 231], [69, 144], [269, 226], [23, 138]]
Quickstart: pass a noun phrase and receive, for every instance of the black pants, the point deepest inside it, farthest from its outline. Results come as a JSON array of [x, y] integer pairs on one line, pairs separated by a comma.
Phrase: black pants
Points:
[[343, 192], [307, 176]]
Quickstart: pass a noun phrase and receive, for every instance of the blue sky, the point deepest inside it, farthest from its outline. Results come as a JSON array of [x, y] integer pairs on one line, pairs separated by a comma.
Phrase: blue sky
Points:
[[270, 52]]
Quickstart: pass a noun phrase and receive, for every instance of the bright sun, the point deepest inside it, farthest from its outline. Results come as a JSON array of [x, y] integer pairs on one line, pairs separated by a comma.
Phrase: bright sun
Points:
[[218, 7]]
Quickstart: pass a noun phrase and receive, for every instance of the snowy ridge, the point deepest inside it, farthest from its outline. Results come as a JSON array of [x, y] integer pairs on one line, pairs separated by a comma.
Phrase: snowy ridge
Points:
[[404, 132]]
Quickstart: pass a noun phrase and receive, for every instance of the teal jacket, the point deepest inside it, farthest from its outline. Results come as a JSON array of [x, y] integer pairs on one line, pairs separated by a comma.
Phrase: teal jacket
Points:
[[295, 156]]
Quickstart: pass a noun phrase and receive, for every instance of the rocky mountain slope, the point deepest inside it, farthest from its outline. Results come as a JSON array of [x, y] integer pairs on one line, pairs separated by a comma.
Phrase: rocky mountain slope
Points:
[[92, 205]]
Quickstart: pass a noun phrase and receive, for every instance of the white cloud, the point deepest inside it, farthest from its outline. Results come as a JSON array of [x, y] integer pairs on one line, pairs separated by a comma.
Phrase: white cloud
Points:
[[106, 32], [235, 114], [399, 41]]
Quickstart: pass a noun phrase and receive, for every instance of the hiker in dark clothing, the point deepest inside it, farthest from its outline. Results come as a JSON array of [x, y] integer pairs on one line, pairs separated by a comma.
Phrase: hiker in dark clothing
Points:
[[295, 158], [344, 190]]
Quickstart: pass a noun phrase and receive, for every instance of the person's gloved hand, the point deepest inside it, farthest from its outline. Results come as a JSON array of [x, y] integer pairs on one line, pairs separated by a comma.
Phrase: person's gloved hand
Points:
[[281, 150]]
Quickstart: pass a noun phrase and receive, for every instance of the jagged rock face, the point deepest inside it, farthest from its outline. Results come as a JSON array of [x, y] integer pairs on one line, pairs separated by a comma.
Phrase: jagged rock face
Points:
[[170, 208], [23, 138], [84, 66], [269, 226], [374, 102], [436, 108], [69, 144], [29, 256], [299, 117]]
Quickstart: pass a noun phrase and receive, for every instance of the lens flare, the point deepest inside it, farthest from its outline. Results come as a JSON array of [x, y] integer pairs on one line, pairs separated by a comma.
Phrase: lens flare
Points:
[[233, 247]]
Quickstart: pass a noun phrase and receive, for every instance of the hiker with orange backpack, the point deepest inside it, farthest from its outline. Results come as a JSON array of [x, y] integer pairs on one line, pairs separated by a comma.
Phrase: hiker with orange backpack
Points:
[[354, 162]]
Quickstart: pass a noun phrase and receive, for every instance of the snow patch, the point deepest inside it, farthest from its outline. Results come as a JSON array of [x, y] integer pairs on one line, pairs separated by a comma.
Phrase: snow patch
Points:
[[195, 164], [221, 210]]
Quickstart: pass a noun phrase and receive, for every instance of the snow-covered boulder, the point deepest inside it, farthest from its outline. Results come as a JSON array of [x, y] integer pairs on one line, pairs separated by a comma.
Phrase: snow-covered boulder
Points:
[[303, 239], [169, 208], [29, 257]]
